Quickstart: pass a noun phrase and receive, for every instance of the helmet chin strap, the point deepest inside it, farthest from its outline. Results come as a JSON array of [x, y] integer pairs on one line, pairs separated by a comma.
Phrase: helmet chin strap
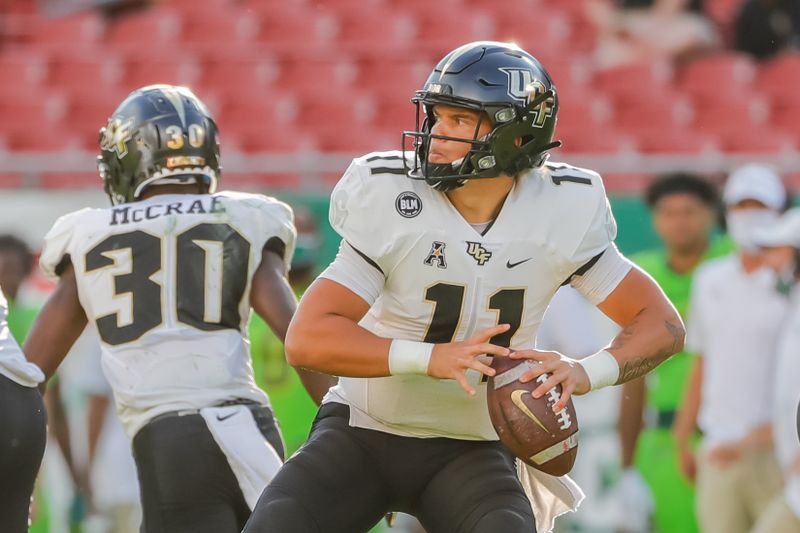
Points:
[[432, 170], [180, 177]]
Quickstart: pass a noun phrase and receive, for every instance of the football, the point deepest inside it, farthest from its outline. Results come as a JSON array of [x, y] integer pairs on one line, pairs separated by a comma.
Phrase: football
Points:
[[546, 440]]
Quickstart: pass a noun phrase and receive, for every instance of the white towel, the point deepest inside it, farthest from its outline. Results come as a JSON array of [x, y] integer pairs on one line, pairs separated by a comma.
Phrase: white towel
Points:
[[550, 496], [253, 461]]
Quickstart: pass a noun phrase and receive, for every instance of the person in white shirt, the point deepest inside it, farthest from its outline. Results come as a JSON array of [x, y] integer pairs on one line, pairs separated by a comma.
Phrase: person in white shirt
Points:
[[735, 317], [782, 254], [22, 429]]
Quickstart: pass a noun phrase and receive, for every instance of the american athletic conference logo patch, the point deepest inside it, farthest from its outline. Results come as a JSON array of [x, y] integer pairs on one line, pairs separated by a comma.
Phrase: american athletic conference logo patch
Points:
[[408, 204]]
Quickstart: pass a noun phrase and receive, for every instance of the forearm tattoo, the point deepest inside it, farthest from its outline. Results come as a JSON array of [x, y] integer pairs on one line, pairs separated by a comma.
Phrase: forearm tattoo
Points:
[[640, 366]]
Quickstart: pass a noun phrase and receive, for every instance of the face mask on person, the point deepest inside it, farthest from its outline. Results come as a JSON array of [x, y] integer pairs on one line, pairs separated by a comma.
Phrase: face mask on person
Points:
[[744, 223]]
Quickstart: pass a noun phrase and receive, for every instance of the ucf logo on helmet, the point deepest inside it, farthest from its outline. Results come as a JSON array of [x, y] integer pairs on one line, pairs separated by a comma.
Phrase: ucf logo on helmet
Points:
[[522, 86]]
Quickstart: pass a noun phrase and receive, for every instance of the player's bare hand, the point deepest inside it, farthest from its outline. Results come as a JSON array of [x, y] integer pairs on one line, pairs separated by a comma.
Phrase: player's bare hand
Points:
[[452, 360], [687, 462], [725, 455], [562, 371]]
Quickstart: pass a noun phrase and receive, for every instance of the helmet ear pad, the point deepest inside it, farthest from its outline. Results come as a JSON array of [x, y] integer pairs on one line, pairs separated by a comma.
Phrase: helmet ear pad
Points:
[[514, 148]]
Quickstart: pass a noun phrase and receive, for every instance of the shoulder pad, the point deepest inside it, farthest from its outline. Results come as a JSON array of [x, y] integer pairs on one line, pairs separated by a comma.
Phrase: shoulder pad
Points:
[[57, 243]]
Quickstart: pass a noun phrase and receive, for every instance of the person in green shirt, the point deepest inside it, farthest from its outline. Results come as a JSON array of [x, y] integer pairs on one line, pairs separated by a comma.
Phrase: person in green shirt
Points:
[[16, 264], [685, 210], [293, 407]]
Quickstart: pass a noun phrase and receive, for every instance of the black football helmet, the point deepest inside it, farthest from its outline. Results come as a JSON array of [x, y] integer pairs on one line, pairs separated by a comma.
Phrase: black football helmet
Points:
[[516, 93], [160, 134]]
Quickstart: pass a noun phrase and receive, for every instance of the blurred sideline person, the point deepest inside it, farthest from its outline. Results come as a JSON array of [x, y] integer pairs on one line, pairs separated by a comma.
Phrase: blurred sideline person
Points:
[[97, 441], [685, 208], [450, 252], [573, 325], [16, 264], [22, 429], [167, 276], [734, 322], [782, 254], [290, 401]]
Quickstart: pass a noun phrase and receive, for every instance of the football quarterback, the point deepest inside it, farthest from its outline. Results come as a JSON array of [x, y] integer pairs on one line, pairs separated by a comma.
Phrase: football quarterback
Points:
[[451, 251], [167, 275]]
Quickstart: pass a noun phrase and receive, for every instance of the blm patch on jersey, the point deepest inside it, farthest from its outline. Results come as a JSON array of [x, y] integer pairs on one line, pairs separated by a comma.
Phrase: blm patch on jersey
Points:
[[408, 204]]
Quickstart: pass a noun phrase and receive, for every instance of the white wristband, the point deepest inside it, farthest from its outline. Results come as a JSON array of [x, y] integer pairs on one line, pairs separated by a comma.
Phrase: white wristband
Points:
[[409, 357], [602, 369]]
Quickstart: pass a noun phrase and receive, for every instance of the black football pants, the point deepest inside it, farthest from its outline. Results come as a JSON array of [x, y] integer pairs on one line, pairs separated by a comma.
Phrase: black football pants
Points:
[[344, 479], [186, 483], [23, 434]]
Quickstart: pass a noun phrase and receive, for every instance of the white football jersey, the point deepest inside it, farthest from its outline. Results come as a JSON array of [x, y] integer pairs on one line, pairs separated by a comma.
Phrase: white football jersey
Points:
[[444, 281], [166, 283], [13, 364]]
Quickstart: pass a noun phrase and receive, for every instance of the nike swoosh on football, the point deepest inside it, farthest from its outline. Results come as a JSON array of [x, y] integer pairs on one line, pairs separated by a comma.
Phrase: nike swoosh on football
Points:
[[221, 418], [509, 264]]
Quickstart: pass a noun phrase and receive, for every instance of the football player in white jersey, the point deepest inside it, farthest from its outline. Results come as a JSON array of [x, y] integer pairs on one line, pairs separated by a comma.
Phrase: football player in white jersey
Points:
[[433, 273], [23, 431], [167, 276]]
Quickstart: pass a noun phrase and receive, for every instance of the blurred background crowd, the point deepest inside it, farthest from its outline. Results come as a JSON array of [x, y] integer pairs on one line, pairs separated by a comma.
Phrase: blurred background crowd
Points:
[[688, 108]]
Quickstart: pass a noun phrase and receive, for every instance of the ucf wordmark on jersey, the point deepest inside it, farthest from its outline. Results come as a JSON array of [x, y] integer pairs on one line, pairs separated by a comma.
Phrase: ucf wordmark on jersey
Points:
[[166, 282]]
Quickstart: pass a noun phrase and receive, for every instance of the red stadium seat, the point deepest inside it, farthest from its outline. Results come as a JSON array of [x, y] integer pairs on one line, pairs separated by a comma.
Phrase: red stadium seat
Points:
[[786, 116], [84, 75], [25, 69], [377, 31], [256, 112], [548, 29], [628, 183], [584, 112], [34, 139], [674, 141], [141, 71], [439, 30], [393, 116], [780, 78], [758, 141], [593, 141], [69, 180], [634, 82], [153, 28], [223, 73], [394, 79], [249, 181], [26, 113], [731, 116], [208, 31], [11, 180], [88, 113], [338, 110], [719, 76], [293, 30], [311, 77], [206, 6], [647, 115], [81, 31], [355, 140], [264, 137], [348, 6]]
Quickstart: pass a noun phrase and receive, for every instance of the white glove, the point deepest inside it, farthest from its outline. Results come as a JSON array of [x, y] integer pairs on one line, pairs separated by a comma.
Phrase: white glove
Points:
[[636, 501]]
